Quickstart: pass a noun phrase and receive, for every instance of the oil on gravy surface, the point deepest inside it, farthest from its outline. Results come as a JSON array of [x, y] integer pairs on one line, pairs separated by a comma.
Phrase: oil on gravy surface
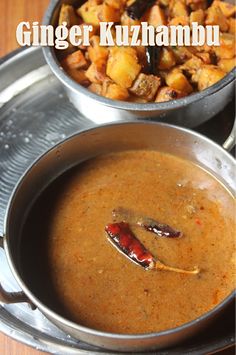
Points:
[[95, 285]]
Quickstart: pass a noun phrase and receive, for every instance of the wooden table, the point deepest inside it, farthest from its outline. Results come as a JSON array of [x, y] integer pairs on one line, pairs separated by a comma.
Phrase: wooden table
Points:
[[12, 12]]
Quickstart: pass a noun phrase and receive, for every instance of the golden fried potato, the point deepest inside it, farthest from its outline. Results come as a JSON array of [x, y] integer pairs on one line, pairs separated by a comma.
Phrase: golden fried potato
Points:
[[75, 60], [114, 91], [167, 59], [208, 75], [79, 76], [90, 13], [156, 16], [165, 93], [227, 64], [68, 15], [197, 16], [146, 86], [123, 66], [177, 80], [96, 72], [96, 88], [226, 49], [96, 52], [216, 17]]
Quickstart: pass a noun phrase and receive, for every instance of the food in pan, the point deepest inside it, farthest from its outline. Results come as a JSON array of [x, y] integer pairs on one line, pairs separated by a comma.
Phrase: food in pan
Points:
[[149, 74], [159, 210]]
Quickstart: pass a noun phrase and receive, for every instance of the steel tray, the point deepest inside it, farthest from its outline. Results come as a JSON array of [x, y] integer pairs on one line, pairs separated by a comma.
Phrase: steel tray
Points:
[[35, 114]]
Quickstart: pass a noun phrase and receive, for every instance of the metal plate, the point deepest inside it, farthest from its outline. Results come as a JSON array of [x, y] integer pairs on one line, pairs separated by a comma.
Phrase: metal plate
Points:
[[34, 115]]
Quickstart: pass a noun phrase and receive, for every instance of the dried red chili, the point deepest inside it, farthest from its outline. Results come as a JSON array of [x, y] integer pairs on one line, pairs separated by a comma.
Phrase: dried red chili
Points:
[[138, 8], [151, 225], [126, 242], [123, 238]]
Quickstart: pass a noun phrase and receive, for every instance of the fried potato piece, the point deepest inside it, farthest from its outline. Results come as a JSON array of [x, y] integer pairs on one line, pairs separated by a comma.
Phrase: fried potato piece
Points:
[[178, 8], [114, 91], [96, 88], [96, 72], [167, 59], [166, 93], [177, 80], [179, 20], [146, 86], [227, 9], [232, 25], [109, 13], [90, 13], [182, 54], [204, 56], [97, 52], [216, 17], [123, 66], [68, 15], [156, 16], [196, 4], [208, 75], [192, 65], [79, 76], [128, 21], [227, 64], [226, 49], [197, 16], [75, 60]]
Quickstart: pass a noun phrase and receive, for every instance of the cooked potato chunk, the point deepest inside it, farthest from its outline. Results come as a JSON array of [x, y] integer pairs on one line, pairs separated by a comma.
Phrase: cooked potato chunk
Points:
[[96, 88], [178, 81], [197, 16], [146, 86], [166, 93], [179, 20], [156, 16], [226, 8], [227, 64], [167, 59], [208, 75], [68, 15], [128, 21], [123, 66], [90, 13], [204, 56], [216, 17], [178, 8], [114, 91], [109, 13], [79, 76], [75, 60], [96, 73], [197, 4], [97, 52], [182, 54], [192, 65], [227, 46], [232, 25]]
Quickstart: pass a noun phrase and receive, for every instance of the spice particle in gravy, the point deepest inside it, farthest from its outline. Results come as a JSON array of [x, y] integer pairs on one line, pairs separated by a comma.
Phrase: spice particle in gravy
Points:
[[84, 278]]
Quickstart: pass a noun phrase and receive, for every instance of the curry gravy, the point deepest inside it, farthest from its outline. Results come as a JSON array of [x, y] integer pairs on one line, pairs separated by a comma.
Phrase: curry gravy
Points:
[[84, 278]]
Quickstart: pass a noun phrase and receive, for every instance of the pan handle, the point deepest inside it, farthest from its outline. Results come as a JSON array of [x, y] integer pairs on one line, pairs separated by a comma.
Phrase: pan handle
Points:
[[231, 140], [13, 297]]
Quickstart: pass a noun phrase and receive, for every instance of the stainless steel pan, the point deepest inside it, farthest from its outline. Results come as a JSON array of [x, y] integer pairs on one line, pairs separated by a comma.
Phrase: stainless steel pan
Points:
[[189, 111], [113, 137]]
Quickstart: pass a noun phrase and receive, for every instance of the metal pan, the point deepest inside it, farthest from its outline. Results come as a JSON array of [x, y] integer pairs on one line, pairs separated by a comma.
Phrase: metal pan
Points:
[[84, 145], [189, 111]]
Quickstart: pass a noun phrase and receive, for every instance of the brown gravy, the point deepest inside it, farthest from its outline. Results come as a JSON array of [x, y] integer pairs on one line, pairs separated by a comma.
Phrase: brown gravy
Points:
[[84, 278]]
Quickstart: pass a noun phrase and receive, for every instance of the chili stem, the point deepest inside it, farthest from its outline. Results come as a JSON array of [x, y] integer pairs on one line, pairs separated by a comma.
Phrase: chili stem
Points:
[[159, 266]]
